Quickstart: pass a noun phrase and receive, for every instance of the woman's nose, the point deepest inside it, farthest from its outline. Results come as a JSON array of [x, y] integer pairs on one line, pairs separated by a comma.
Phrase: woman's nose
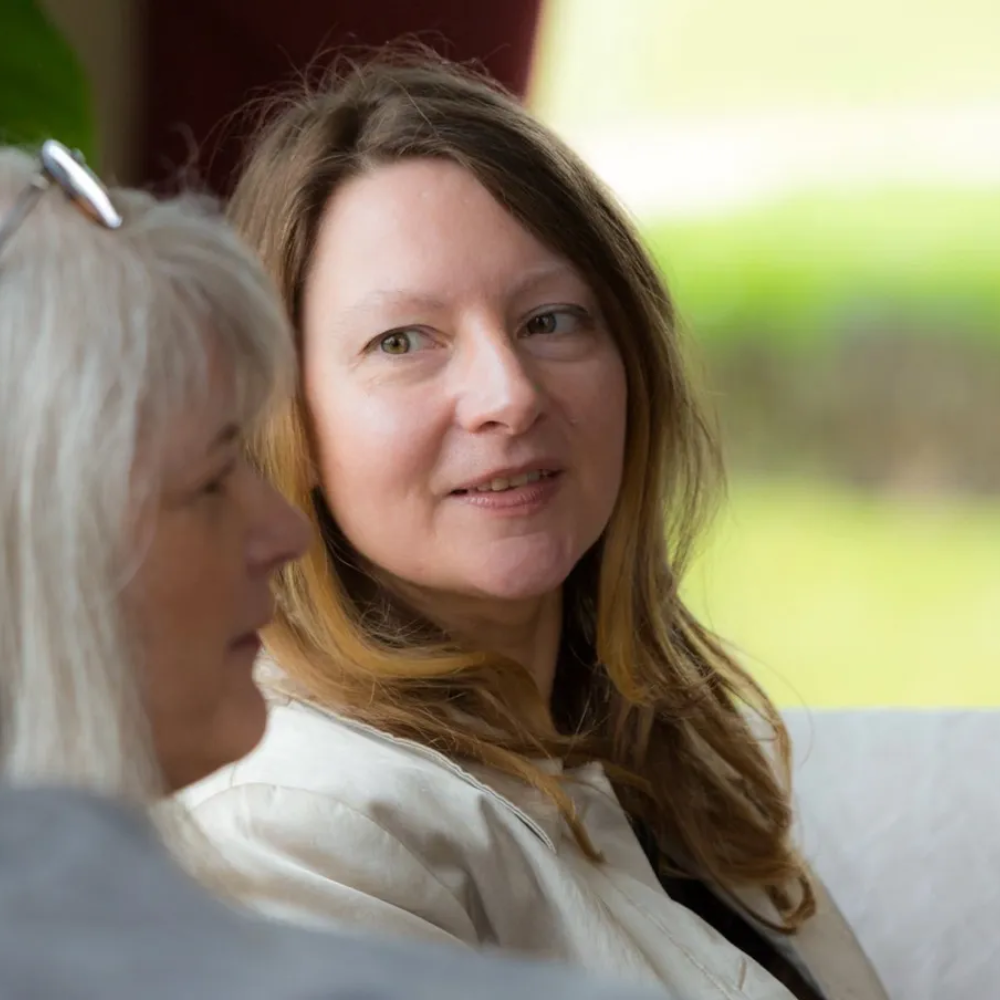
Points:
[[498, 390], [281, 533]]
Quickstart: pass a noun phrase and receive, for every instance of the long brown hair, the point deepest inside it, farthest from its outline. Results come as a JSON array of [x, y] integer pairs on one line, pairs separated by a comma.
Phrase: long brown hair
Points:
[[642, 686]]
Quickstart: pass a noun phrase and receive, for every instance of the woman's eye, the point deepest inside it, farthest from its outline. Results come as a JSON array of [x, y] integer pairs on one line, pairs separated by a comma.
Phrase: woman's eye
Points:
[[401, 341], [553, 321], [217, 486]]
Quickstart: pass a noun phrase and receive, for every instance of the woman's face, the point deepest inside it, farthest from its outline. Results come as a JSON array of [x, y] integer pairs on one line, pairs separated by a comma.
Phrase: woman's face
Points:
[[209, 543], [467, 399]]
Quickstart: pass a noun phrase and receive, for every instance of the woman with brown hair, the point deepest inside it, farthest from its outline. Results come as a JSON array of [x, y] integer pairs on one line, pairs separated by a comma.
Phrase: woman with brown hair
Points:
[[495, 720]]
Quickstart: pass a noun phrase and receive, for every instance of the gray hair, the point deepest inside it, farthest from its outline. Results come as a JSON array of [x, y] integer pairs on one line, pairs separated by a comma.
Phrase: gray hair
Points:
[[104, 339]]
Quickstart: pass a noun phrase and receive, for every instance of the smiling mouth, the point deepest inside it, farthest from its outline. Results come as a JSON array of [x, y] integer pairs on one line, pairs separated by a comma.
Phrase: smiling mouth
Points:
[[502, 485]]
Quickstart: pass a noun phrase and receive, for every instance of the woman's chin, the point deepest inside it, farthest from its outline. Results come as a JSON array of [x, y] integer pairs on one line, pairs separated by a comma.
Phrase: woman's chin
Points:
[[235, 730], [522, 582]]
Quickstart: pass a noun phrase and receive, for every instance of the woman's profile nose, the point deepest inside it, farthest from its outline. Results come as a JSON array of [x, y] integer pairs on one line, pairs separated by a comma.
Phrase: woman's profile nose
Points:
[[281, 533]]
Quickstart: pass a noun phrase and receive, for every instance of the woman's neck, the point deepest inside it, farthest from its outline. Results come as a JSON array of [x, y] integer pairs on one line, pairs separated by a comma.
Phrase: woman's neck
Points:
[[527, 631]]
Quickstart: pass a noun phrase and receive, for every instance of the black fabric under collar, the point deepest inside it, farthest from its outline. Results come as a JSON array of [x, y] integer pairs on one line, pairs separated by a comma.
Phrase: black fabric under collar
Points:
[[697, 897]]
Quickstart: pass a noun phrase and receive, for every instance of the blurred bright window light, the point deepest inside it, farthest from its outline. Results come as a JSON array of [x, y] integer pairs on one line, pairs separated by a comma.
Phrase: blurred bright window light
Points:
[[694, 107]]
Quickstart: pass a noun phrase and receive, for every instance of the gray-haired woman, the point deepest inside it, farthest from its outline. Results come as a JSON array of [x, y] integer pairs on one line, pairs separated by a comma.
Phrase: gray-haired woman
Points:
[[139, 341]]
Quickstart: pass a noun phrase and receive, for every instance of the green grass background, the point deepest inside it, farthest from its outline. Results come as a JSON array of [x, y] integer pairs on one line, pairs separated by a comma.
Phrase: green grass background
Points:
[[835, 599]]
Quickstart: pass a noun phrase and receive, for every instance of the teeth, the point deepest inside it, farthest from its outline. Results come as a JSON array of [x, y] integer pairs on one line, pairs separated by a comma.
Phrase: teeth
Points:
[[499, 485]]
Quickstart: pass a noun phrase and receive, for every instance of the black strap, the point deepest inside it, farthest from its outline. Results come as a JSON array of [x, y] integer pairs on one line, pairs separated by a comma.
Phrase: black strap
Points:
[[696, 896]]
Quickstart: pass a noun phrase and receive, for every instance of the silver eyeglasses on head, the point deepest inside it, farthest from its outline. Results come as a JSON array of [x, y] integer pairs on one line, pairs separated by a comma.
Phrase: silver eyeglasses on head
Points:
[[66, 170]]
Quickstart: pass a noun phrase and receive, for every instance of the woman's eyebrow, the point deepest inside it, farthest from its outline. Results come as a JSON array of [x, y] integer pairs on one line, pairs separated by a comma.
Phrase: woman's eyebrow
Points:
[[229, 433], [394, 298], [539, 275], [412, 299]]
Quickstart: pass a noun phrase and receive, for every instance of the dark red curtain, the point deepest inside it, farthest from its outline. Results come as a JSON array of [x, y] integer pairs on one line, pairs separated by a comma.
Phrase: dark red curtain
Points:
[[205, 59]]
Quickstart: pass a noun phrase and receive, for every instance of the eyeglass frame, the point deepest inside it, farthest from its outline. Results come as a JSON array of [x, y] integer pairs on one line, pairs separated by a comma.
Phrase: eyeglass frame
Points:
[[67, 170]]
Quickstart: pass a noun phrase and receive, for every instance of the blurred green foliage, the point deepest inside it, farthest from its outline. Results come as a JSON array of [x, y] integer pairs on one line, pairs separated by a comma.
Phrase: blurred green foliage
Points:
[[43, 90], [802, 272]]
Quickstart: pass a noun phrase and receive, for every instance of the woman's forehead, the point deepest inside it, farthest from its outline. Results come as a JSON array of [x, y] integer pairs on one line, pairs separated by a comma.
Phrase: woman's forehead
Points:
[[204, 416], [422, 227]]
